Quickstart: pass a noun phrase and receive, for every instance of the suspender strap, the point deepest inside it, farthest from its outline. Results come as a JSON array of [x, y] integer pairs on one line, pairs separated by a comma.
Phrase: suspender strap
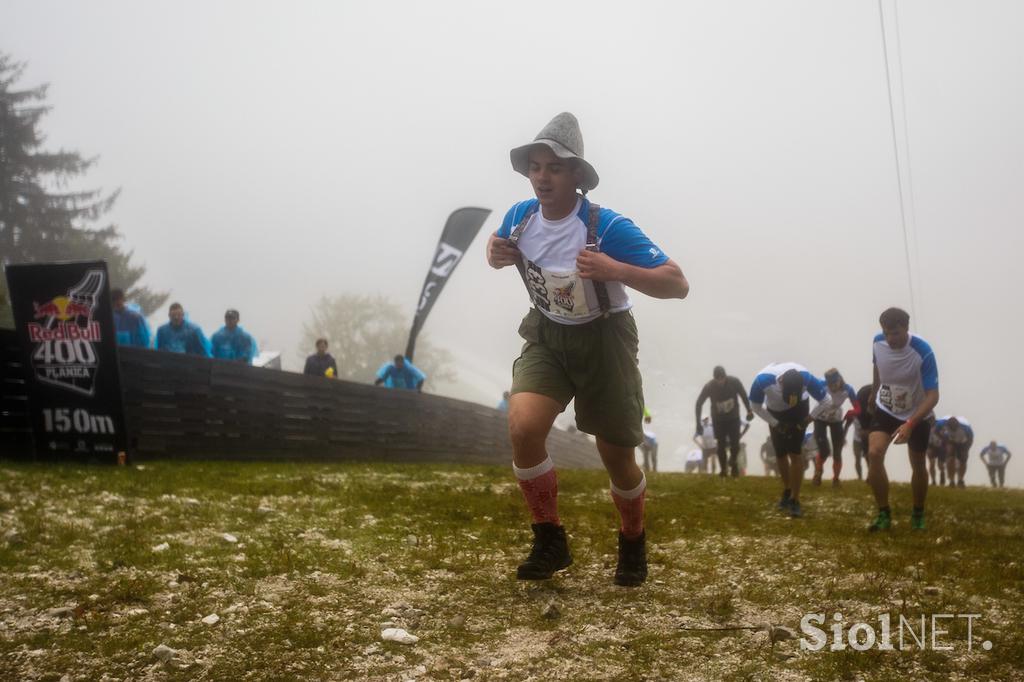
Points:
[[599, 287], [593, 221], [514, 239]]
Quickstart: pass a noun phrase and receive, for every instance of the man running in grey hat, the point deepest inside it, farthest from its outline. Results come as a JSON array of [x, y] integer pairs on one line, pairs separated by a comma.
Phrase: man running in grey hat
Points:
[[576, 260]]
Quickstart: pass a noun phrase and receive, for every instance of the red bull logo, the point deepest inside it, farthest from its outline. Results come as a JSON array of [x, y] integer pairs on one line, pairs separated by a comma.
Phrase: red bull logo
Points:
[[64, 331], [46, 310], [59, 318], [61, 308]]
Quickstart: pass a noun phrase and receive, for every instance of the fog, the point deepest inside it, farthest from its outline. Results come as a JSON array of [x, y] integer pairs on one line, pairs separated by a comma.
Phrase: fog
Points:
[[270, 153]]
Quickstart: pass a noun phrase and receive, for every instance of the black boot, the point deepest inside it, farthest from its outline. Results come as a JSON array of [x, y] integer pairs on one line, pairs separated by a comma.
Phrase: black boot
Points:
[[632, 568], [550, 553]]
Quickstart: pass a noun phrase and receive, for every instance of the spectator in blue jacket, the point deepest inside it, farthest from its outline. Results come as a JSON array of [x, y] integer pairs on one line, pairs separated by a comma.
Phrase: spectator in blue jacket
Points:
[[181, 336], [400, 373], [130, 325], [231, 342]]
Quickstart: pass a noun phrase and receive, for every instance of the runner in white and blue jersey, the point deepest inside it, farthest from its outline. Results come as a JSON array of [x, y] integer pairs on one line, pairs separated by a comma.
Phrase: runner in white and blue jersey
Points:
[[938, 451], [780, 394], [830, 422], [576, 260], [996, 456], [904, 393], [958, 436]]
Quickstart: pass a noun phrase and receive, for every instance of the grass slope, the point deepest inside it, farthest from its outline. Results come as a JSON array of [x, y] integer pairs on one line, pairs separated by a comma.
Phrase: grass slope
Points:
[[329, 554]]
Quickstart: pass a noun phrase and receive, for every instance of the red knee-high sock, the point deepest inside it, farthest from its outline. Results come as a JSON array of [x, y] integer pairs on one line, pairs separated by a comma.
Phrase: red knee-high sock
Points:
[[630, 504], [540, 488]]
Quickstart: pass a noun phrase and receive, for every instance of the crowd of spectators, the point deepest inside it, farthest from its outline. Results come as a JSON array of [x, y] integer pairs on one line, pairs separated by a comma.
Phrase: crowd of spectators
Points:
[[181, 335], [232, 343]]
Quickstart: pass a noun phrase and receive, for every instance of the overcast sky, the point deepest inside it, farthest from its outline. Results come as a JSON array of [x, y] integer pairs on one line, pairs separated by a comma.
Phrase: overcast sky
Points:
[[270, 153]]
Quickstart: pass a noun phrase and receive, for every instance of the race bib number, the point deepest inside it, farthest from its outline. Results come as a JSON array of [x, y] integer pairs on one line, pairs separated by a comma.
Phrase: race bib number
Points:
[[956, 437], [559, 293], [725, 406], [894, 398], [832, 414], [996, 458]]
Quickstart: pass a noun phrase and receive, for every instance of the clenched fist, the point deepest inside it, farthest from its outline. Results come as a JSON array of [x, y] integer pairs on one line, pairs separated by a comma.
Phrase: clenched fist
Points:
[[598, 267], [502, 253]]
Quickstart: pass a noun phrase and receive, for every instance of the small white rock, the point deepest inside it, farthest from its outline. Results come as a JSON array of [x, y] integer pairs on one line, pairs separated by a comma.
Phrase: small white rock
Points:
[[191, 501], [398, 635], [228, 537], [212, 619], [164, 653], [162, 547]]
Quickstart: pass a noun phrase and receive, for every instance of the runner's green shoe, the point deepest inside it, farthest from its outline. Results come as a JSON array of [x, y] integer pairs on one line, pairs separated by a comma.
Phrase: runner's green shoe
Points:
[[917, 520], [882, 522]]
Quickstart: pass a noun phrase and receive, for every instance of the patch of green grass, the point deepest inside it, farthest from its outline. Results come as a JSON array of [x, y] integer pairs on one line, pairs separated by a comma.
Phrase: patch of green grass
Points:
[[338, 544]]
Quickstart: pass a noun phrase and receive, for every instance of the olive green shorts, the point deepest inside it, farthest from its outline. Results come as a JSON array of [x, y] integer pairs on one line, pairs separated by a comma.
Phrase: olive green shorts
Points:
[[595, 363]]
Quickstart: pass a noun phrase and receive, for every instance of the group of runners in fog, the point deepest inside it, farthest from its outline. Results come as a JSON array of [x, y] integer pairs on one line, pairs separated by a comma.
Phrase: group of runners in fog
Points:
[[577, 260]]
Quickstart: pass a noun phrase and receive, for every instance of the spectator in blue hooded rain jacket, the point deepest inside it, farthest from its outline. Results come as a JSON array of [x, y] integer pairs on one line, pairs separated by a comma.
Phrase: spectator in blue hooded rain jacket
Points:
[[231, 342], [130, 325], [181, 336]]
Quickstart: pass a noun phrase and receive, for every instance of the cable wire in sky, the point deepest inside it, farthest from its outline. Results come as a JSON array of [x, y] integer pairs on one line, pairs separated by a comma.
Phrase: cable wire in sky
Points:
[[896, 153]]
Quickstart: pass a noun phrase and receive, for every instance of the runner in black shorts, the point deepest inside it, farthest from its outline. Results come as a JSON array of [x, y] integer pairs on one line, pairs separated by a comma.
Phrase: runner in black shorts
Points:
[[725, 416], [938, 448], [779, 395], [905, 391], [861, 428], [830, 423], [958, 435]]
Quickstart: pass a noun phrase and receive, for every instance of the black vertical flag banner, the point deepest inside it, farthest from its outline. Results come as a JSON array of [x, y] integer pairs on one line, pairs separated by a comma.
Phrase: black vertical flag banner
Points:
[[65, 327], [458, 234]]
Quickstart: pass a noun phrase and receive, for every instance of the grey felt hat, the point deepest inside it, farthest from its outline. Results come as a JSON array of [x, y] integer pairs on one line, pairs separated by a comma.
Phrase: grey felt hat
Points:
[[563, 137]]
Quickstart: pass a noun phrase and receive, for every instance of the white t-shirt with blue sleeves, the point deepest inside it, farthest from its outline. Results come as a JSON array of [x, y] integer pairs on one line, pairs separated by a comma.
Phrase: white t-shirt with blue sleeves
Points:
[[550, 249], [962, 436], [997, 456], [766, 393], [904, 375], [836, 413]]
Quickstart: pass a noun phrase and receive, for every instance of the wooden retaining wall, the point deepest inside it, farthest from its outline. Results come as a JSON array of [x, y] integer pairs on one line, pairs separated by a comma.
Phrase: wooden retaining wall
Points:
[[190, 407]]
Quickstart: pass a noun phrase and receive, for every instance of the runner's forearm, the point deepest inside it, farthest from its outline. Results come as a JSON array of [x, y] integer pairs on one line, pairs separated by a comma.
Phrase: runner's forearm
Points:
[[665, 281], [700, 404], [931, 399], [761, 411]]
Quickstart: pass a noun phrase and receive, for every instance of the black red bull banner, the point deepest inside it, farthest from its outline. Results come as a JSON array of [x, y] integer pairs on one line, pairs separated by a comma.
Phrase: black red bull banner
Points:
[[65, 326], [458, 234]]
